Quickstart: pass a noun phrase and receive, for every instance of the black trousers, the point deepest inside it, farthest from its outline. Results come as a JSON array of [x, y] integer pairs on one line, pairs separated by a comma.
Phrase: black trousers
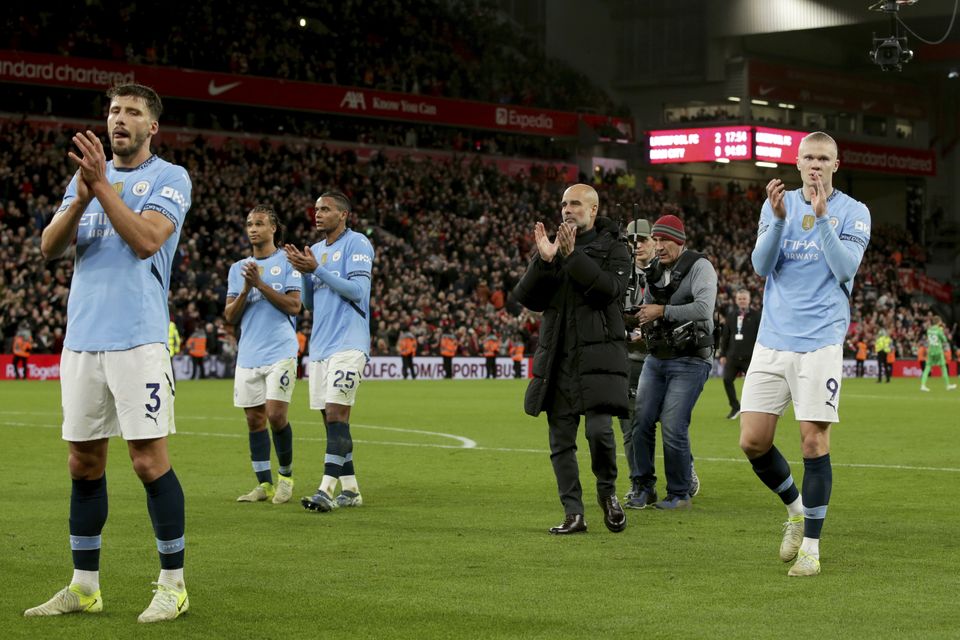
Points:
[[20, 361], [408, 367], [447, 366], [733, 367], [517, 369], [491, 366], [861, 366], [882, 367], [198, 371], [563, 421]]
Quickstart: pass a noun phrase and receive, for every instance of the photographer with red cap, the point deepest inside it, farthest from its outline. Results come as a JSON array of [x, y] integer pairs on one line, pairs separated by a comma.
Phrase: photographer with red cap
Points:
[[676, 321]]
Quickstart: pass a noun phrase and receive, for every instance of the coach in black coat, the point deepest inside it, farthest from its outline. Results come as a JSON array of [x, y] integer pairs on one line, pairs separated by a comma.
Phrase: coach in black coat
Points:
[[578, 281]]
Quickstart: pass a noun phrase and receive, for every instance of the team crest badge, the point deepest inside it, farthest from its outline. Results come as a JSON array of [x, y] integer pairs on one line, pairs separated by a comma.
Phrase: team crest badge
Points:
[[118, 187], [275, 270], [834, 222], [141, 188], [323, 259], [807, 222], [336, 255]]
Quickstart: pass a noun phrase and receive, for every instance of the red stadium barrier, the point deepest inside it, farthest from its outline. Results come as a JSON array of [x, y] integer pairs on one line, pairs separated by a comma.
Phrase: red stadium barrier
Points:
[[39, 367]]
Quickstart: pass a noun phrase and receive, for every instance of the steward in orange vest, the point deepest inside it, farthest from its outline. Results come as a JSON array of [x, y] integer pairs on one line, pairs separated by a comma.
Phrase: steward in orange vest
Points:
[[197, 348], [516, 354], [491, 347], [22, 346], [407, 346], [448, 349]]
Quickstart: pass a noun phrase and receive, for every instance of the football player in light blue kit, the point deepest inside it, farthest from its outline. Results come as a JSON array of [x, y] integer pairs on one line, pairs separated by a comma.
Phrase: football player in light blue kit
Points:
[[126, 216], [336, 287], [263, 296], [809, 245]]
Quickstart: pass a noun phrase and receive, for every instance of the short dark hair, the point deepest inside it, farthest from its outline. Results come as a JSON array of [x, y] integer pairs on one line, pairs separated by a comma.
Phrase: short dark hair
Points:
[[274, 220], [138, 91], [343, 202]]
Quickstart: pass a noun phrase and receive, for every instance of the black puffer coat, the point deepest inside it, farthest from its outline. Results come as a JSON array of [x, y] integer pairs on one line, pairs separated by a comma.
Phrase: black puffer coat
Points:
[[583, 294]]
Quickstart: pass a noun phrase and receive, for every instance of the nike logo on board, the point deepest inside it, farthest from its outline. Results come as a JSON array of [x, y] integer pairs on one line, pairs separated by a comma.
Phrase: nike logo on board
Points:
[[215, 90]]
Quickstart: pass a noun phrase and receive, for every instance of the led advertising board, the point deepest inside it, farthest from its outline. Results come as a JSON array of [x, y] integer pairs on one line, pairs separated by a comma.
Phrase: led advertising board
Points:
[[705, 144]]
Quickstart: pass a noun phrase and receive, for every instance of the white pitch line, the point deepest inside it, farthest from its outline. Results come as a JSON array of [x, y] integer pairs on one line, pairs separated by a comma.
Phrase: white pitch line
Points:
[[474, 446]]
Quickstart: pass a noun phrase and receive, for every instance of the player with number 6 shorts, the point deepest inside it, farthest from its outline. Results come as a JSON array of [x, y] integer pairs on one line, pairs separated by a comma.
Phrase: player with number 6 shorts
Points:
[[336, 287], [263, 297], [809, 245]]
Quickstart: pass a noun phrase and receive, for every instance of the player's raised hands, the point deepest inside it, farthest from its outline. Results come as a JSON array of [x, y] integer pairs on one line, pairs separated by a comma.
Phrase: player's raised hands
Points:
[[303, 261], [93, 161], [547, 249], [251, 275], [818, 196], [775, 194]]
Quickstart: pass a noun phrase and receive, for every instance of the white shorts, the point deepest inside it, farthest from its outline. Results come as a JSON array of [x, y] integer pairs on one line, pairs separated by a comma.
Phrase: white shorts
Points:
[[117, 393], [812, 380], [253, 387], [335, 380]]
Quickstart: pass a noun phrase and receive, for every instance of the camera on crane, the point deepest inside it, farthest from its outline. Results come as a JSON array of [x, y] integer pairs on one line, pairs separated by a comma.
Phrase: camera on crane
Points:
[[892, 52]]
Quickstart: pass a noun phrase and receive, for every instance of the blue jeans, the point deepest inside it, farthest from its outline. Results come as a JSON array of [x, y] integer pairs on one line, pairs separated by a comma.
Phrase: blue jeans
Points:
[[667, 391]]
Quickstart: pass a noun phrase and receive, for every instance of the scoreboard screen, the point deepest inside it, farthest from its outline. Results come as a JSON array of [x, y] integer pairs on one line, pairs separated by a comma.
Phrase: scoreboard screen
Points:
[[700, 145], [776, 145]]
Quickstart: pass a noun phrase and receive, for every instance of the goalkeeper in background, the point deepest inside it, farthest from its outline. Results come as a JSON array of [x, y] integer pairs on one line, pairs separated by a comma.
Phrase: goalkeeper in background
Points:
[[936, 341]]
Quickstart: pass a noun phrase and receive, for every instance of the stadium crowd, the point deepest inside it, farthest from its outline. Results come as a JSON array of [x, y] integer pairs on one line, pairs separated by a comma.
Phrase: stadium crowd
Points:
[[452, 238], [429, 47]]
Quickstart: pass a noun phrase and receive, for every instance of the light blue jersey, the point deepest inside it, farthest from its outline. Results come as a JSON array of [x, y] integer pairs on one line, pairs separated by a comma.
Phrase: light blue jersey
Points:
[[338, 292], [118, 301], [267, 334], [809, 265]]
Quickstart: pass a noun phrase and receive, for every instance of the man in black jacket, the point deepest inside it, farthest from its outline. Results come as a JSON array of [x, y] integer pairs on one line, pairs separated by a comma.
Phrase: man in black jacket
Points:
[[736, 345], [578, 280]]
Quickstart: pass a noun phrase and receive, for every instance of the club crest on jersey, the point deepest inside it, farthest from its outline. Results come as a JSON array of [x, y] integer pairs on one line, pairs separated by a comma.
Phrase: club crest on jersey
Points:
[[807, 223], [834, 222], [118, 187], [275, 270], [141, 188], [336, 255]]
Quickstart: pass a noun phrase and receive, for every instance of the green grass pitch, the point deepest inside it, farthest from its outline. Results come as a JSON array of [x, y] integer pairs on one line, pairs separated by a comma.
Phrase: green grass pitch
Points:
[[452, 540]]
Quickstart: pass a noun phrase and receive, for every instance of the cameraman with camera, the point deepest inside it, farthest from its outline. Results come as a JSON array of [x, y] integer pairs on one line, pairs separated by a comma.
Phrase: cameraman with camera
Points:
[[644, 249], [676, 322]]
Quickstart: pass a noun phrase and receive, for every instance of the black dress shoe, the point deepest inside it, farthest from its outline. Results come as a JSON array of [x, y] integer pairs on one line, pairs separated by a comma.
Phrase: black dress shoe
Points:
[[613, 515], [573, 523]]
